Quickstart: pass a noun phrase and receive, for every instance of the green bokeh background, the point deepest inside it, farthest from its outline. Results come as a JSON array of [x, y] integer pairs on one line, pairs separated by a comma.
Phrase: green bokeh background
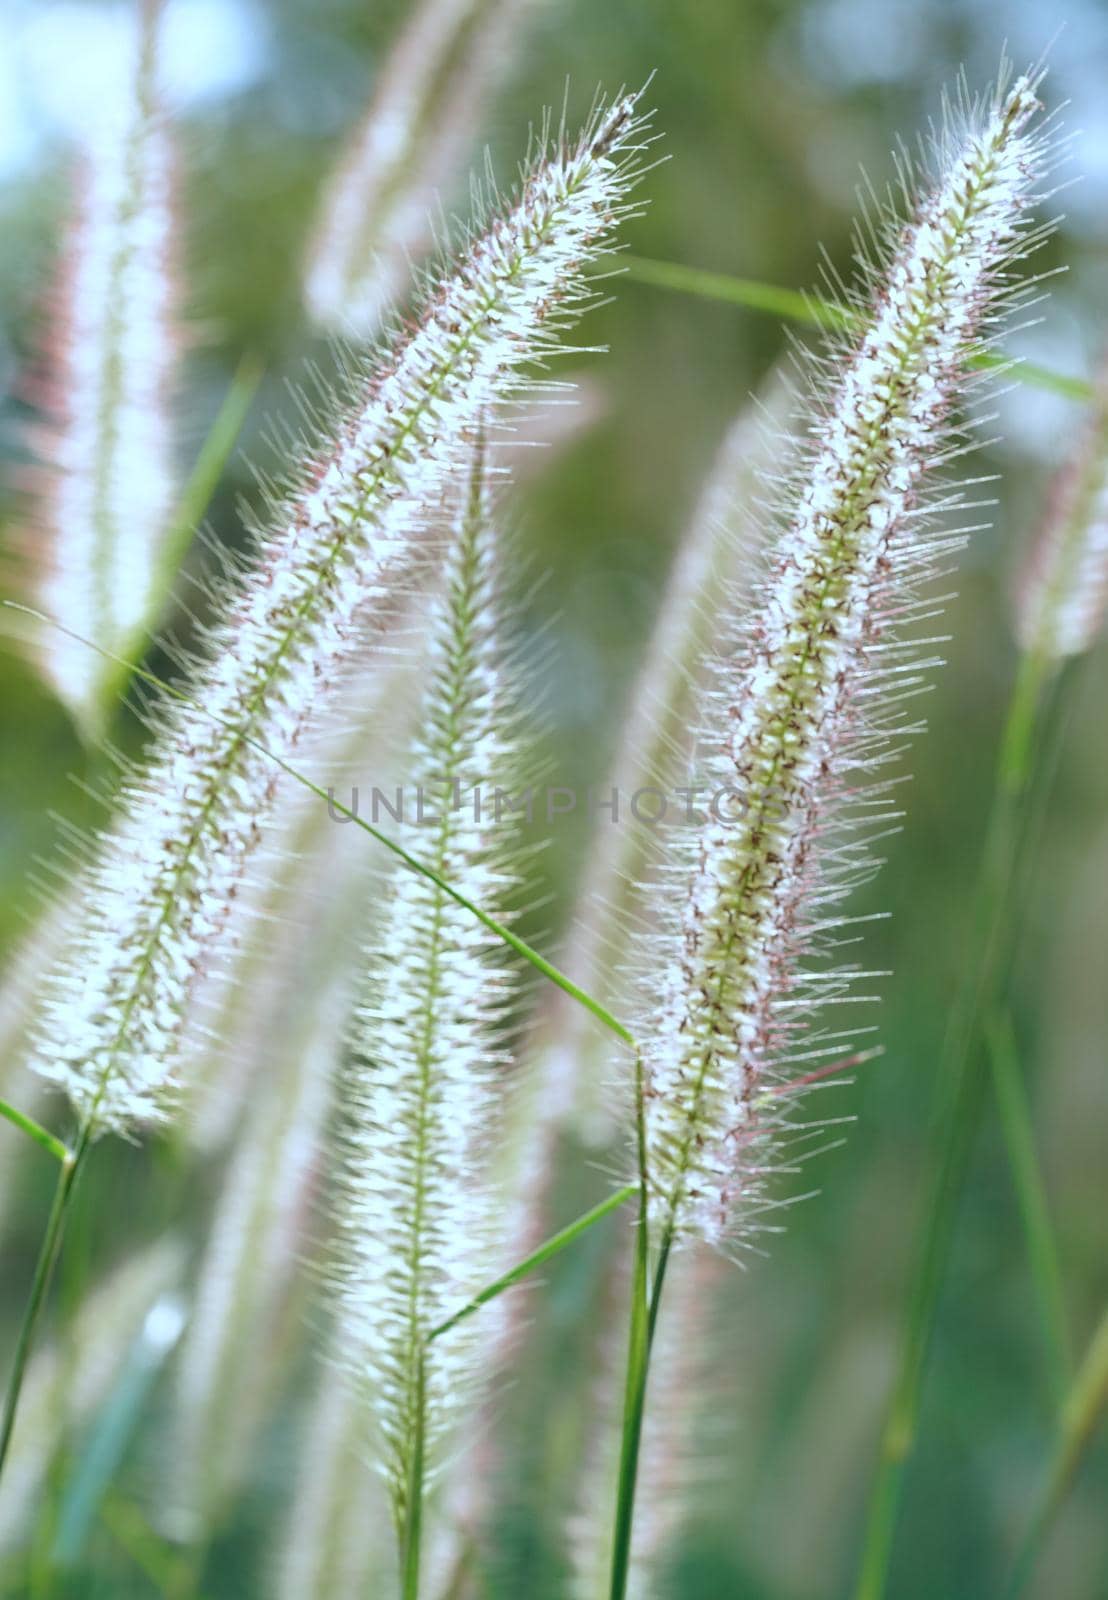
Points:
[[766, 109]]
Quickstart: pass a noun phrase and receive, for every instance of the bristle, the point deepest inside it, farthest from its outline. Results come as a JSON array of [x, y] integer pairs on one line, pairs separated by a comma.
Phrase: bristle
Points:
[[303, 908], [1063, 592], [715, 564], [158, 895], [808, 698]]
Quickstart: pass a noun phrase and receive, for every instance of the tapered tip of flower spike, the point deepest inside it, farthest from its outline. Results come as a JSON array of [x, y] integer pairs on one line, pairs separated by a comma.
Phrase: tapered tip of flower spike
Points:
[[808, 693]]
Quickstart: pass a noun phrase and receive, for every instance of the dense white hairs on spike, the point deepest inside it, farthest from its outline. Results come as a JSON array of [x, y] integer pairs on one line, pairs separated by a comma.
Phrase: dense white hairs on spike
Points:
[[809, 697], [376, 211], [1063, 594], [110, 482], [416, 1208], [158, 893]]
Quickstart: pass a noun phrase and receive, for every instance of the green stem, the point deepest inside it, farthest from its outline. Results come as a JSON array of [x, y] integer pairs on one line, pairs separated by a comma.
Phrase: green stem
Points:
[[959, 1089], [1015, 1117], [645, 1299], [551, 1247], [209, 466], [71, 1167], [35, 1131], [412, 1535], [644, 1319]]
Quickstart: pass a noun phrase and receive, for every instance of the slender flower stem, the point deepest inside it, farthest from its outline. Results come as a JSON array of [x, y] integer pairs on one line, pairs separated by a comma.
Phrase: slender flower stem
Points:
[[34, 1130], [412, 1532], [960, 1082], [645, 1298], [644, 1319], [71, 1166]]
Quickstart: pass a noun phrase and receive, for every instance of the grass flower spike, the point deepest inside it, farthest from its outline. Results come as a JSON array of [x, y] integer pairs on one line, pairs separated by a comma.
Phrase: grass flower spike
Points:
[[109, 451], [159, 892], [810, 694], [420, 123], [1064, 592], [417, 1208]]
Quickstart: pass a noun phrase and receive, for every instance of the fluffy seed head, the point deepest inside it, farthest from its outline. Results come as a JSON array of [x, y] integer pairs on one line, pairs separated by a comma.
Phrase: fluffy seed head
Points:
[[158, 894], [1064, 590], [809, 693], [420, 123], [417, 1211], [109, 449]]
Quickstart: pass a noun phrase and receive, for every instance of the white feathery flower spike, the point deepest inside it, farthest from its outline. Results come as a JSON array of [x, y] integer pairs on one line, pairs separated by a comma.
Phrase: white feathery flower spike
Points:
[[108, 451], [1063, 594], [158, 893], [416, 1208], [419, 125], [807, 700]]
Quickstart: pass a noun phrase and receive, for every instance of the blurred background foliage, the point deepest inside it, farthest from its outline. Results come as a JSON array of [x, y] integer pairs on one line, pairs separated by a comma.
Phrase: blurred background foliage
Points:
[[767, 109]]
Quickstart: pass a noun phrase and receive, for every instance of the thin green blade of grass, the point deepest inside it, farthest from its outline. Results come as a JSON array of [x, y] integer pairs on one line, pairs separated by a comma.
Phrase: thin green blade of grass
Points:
[[154, 1557], [1081, 1417], [1019, 1139], [111, 1436], [40, 1284], [796, 306], [208, 469], [34, 1130], [551, 1247]]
